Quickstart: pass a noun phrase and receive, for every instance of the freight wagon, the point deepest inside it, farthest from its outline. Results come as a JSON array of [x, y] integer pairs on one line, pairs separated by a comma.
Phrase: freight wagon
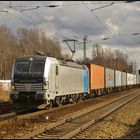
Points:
[[128, 80], [138, 80], [109, 80], [118, 80], [96, 79], [134, 80], [124, 80]]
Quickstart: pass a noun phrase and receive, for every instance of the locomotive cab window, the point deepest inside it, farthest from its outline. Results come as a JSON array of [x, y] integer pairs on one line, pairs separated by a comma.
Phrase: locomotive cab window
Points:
[[56, 70]]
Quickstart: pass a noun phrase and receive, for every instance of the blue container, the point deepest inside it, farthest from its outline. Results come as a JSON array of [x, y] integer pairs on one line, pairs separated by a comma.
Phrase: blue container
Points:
[[85, 80]]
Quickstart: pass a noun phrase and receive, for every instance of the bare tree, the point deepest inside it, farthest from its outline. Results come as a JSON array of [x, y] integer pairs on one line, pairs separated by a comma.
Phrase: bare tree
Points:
[[25, 42], [108, 57]]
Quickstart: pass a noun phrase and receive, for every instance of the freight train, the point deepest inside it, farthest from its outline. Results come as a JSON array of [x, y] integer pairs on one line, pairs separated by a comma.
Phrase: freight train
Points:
[[47, 81]]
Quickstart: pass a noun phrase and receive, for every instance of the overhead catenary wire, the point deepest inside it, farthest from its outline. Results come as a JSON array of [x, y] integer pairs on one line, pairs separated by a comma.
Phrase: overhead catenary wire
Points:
[[37, 8], [92, 13], [43, 25], [20, 18], [63, 25], [22, 14], [102, 7], [30, 18], [10, 23], [55, 5], [66, 40]]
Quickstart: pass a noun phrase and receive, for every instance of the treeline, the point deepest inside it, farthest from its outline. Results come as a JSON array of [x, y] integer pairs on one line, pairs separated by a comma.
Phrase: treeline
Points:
[[27, 41], [23, 42], [111, 58]]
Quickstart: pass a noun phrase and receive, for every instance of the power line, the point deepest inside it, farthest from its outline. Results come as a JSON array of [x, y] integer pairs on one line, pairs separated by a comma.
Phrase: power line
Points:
[[30, 18], [13, 25], [102, 7], [46, 26], [63, 5], [29, 9], [56, 17], [99, 20], [23, 14], [17, 17], [57, 5], [63, 26], [45, 6]]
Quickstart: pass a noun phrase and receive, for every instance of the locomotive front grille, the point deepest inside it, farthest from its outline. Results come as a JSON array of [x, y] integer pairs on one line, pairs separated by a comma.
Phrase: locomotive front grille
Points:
[[28, 87]]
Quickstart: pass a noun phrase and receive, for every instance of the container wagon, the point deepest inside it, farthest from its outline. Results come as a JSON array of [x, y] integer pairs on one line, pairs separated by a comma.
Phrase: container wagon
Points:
[[96, 79], [109, 80], [118, 81], [124, 82]]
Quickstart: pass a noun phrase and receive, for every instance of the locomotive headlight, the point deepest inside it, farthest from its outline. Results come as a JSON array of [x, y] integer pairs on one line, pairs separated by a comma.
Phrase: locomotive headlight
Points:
[[45, 84], [12, 85]]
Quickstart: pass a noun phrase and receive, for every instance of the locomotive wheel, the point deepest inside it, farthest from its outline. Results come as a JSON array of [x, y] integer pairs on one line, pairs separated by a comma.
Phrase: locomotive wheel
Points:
[[58, 102], [50, 105], [75, 100]]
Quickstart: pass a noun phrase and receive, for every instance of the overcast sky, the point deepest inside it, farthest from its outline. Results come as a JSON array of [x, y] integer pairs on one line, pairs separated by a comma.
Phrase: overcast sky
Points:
[[74, 19]]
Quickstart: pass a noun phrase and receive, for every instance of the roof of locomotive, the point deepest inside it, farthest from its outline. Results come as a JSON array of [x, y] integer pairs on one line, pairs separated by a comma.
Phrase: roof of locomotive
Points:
[[71, 64], [43, 58], [34, 57]]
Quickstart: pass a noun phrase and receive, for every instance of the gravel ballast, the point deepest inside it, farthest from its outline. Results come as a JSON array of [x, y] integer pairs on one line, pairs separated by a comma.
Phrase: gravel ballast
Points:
[[23, 125], [124, 123]]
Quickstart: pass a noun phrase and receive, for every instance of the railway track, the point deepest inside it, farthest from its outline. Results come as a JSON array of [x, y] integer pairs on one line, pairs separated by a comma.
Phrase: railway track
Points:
[[9, 108], [20, 112], [5, 104], [72, 125], [16, 114]]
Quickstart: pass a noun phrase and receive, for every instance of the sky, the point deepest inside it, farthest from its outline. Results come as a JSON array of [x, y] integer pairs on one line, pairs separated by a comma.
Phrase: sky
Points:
[[116, 20]]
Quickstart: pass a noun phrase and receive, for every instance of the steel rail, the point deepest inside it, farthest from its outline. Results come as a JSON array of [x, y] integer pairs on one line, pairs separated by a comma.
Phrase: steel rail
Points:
[[85, 126], [5, 104], [11, 115], [52, 130]]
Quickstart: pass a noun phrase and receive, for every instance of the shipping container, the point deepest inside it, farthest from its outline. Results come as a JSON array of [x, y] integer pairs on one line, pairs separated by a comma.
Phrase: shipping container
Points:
[[123, 78], [138, 79], [118, 78], [109, 77], [134, 79], [128, 79], [96, 76]]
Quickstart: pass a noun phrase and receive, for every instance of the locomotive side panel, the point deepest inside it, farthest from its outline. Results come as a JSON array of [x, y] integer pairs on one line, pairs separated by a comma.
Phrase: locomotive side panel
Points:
[[70, 80]]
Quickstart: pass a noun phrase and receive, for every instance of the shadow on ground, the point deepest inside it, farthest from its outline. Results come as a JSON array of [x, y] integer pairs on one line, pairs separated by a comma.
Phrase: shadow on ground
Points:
[[135, 133]]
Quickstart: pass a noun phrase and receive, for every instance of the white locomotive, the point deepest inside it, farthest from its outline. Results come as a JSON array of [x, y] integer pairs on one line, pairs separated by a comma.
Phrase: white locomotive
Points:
[[41, 80]]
